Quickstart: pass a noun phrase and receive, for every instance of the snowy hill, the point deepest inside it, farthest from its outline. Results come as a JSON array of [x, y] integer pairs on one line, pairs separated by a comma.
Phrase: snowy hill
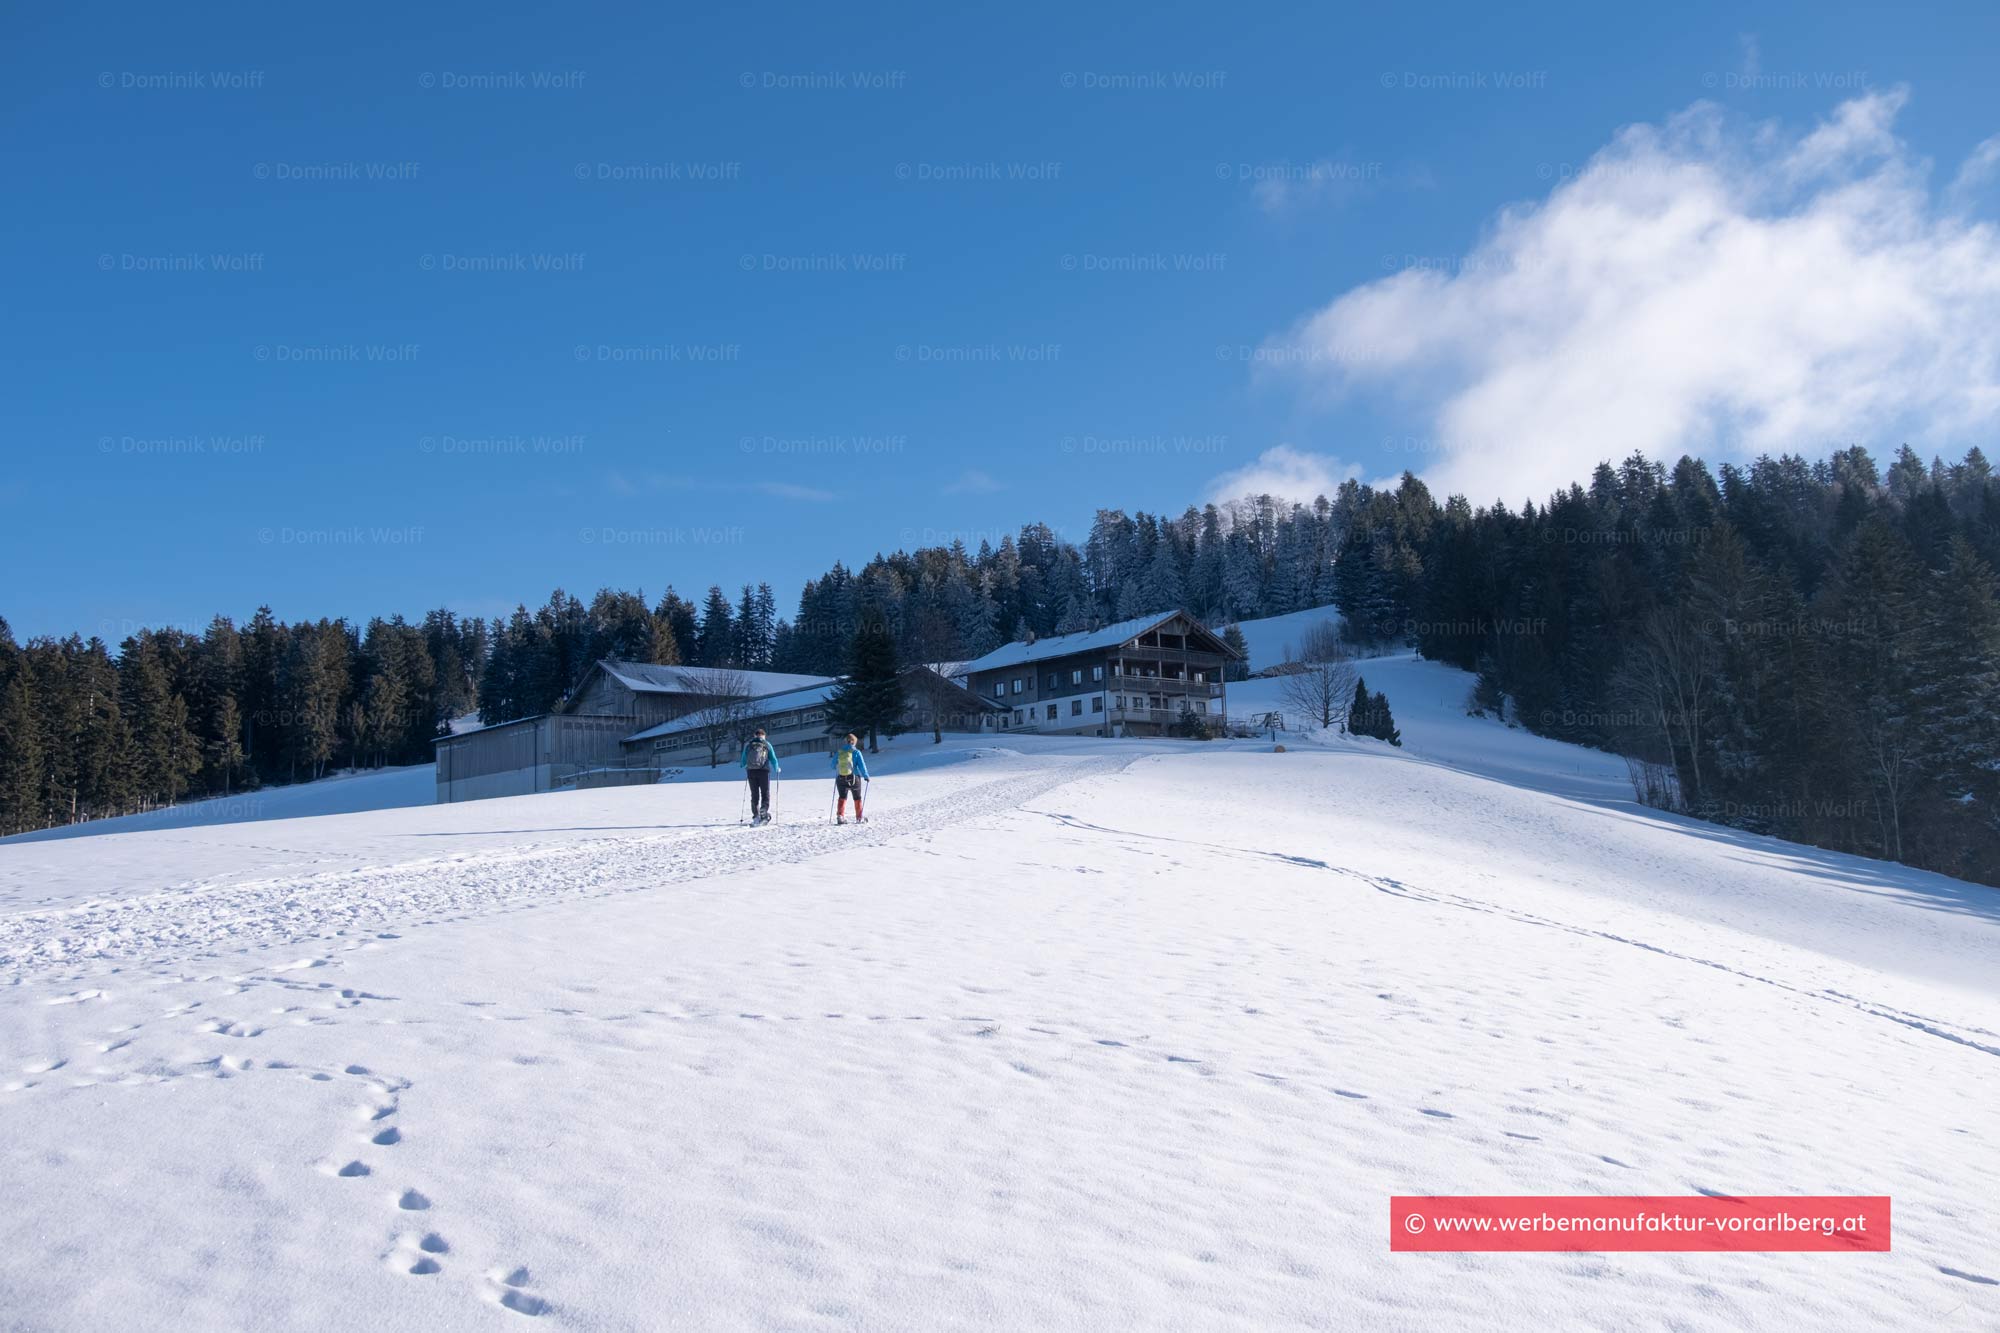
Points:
[[1274, 639], [1428, 699], [1072, 1034], [342, 794]]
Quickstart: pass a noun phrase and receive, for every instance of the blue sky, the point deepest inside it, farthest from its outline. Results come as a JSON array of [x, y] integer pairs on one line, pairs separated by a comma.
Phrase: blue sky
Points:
[[360, 311]]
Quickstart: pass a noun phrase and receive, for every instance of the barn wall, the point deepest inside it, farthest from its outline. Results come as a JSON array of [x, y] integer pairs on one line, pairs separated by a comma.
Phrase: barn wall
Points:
[[603, 696], [534, 755]]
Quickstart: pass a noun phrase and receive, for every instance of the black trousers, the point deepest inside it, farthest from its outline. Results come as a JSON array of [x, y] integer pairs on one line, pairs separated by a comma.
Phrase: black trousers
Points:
[[760, 790], [848, 784]]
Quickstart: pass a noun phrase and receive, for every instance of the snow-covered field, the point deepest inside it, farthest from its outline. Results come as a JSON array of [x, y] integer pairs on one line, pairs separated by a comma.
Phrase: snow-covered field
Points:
[[1073, 1034], [343, 794]]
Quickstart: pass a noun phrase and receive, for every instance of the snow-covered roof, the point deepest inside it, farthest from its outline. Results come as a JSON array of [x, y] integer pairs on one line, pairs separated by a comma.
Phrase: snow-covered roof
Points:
[[456, 734], [763, 705], [646, 678], [1020, 652]]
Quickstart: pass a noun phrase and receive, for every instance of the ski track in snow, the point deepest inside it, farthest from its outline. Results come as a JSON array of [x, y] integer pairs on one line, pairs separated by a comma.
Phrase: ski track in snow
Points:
[[196, 922], [1983, 1040]]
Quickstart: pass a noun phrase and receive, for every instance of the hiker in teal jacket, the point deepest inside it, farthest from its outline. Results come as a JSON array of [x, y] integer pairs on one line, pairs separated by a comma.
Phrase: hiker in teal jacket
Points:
[[759, 760], [850, 770]]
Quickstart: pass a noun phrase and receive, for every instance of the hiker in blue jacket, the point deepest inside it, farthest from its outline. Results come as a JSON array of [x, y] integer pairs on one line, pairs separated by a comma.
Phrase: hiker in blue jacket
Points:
[[759, 761], [850, 770]]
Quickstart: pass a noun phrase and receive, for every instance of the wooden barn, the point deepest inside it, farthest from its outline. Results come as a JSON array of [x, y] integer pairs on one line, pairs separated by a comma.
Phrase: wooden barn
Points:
[[580, 742]]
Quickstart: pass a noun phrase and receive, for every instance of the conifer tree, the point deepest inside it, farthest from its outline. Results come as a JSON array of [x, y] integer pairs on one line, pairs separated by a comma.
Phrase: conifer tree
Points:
[[20, 740], [870, 699], [715, 642], [682, 626], [164, 752], [1238, 669], [663, 649], [978, 625]]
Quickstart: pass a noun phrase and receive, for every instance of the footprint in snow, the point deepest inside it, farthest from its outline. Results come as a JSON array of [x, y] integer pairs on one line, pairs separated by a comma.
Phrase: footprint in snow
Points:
[[514, 1298], [48, 1066], [388, 1137], [1614, 1161], [76, 997], [1969, 1277], [412, 1201], [1355, 1096], [224, 1028], [419, 1256], [353, 1169], [1441, 1115]]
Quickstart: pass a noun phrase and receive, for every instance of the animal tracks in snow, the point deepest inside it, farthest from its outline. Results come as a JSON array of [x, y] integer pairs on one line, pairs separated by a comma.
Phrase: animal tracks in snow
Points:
[[419, 1256], [511, 1291], [365, 1159]]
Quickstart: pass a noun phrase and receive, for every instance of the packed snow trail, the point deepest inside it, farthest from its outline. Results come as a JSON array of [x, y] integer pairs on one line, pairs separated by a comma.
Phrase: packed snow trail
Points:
[[201, 921]]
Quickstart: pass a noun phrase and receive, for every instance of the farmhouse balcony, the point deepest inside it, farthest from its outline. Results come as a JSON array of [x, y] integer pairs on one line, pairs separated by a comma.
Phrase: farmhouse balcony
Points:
[[1193, 689]]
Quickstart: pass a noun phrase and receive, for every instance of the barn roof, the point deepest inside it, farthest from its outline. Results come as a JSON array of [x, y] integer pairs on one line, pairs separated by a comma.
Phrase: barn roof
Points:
[[763, 705], [784, 701], [1021, 652], [647, 678]]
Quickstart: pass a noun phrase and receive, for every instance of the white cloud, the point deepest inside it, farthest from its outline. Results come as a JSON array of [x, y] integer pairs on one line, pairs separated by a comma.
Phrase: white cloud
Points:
[[972, 481], [1701, 287], [785, 490], [1285, 472], [1975, 173], [1284, 187]]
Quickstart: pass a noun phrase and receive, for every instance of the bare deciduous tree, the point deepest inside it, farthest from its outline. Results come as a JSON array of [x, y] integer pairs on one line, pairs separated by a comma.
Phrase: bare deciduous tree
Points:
[[1322, 642], [722, 707], [1320, 684], [1666, 678]]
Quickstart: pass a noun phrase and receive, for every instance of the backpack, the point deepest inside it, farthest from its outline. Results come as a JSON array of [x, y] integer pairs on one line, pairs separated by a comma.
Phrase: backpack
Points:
[[760, 755], [844, 765]]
